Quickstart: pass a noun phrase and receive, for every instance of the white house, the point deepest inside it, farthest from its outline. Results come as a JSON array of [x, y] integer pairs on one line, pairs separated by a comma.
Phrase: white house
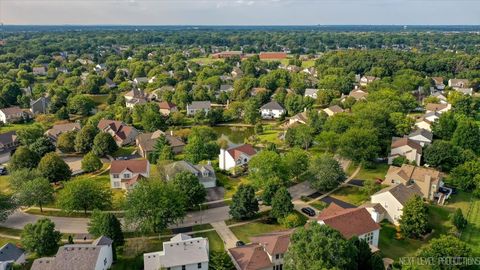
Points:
[[351, 222], [95, 256], [365, 80], [11, 254], [235, 156], [310, 92], [426, 121], [392, 199], [407, 148], [11, 114], [197, 106], [272, 110], [182, 252], [125, 174]]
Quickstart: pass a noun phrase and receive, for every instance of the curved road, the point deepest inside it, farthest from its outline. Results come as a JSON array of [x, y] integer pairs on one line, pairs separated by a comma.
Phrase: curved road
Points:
[[73, 225]]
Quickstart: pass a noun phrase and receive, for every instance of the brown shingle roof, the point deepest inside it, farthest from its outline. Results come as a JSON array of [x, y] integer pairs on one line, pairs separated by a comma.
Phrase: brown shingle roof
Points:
[[133, 165], [273, 55], [246, 149], [165, 105], [122, 131], [251, 257], [275, 242], [11, 110], [401, 192], [433, 107], [350, 222], [399, 142]]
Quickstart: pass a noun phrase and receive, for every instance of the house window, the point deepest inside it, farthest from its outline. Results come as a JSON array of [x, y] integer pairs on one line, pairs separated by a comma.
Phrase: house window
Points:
[[183, 267], [116, 184], [105, 261], [277, 256], [368, 237], [126, 176], [115, 176], [199, 265]]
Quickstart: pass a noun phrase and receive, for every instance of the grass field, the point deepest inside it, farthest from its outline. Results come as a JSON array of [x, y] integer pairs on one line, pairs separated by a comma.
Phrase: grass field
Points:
[[124, 151], [378, 171], [206, 60], [352, 195], [230, 184], [244, 232], [214, 240], [13, 127], [5, 184], [471, 234]]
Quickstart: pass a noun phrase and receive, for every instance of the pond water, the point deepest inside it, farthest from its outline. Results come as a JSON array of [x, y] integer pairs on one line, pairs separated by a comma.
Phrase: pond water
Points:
[[236, 135]]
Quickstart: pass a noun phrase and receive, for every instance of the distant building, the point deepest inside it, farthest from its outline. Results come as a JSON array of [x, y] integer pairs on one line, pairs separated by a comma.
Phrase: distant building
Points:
[[311, 92], [272, 110], [125, 174], [146, 142], [205, 173], [59, 129], [332, 110], [40, 105], [181, 252], [439, 108], [272, 55], [197, 106], [227, 54], [404, 147], [122, 133], [299, 118], [235, 156], [134, 97], [39, 71], [95, 256], [438, 82], [365, 80], [12, 115], [421, 136], [8, 144], [166, 108]]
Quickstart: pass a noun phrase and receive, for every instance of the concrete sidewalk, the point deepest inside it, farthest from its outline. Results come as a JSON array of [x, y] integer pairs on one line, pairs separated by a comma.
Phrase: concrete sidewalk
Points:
[[229, 239]]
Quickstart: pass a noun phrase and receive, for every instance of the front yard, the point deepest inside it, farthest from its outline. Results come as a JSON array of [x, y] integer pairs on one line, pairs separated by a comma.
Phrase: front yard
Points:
[[378, 171], [244, 232], [351, 194]]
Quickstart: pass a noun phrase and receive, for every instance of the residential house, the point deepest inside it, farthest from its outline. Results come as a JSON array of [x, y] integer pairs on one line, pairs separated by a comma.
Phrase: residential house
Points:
[[404, 147], [95, 256], [441, 98], [421, 136], [258, 90], [122, 133], [439, 108], [8, 144], [125, 174], [235, 156], [236, 72], [166, 108], [265, 252], [59, 129], [11, 254], [465, 91], [63, 70], [40, 105], [227, 54], [356, 93], [351, 222], [205, 173], [272, 55], [428, 180], [312, 71], [332, 110], [226, 88], [438, 83], [39, 71], [461, 85], [426, 121], [310, 92], [197, 106], [365, 80], [182, 252], [146, 142], [272, 110], [12, 115], [26, 91], [134, 97], [392, 200], [109, 83], [300, 118]]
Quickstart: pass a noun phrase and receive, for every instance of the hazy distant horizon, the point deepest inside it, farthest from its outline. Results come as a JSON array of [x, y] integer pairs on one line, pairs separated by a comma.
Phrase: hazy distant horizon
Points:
[[240, 12]]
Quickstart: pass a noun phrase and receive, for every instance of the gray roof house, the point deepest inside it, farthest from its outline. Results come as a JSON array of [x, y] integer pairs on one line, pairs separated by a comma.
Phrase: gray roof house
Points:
[[421, 136], [181, 252], [226, 88], [10, 254], [57, 130], [95, 256], [272, 110], [196, 106], [40, 105], [204, 173], [8, 145], [310, 92]]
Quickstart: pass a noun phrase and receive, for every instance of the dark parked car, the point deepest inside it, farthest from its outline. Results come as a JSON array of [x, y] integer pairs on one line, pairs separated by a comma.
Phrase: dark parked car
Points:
[[3, 170], [240, 243], [308, 211]]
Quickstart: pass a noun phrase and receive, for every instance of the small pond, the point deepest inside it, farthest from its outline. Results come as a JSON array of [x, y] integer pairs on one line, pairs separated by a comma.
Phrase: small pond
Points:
[[236, 135]]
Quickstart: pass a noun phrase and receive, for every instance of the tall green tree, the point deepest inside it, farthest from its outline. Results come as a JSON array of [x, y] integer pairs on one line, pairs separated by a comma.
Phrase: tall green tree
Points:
[[282, 204], [42, 146], [414, 221], [201, 145], [153, 205], [446, 246], [85, 138], [189, 185], [23, 158], [319, 247], [91, 162], [359, 144], [66, 142], [41, 237], [296, 163], [220, 261], [326, 172], [52, 167], [29, 134], [467, 135], [104, 144], [84, 194], [7, 206], [107, 224], [443, 155], [269, 192], [36, 191], [244, 203], [264, 166], [459, 220], [445, 125]]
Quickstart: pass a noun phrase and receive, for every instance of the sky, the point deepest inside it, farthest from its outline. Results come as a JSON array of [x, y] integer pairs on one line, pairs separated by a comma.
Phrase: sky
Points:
[[240, 12]]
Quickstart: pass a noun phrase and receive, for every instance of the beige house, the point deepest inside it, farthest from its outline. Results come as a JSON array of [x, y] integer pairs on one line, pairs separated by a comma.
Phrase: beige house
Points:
[[365, 80], [167, 108], [146, 142], [332, 110], [125, 174], [299, 118], [439, 108], [404, 147], [427, 180], [392, 200], [12, 114]]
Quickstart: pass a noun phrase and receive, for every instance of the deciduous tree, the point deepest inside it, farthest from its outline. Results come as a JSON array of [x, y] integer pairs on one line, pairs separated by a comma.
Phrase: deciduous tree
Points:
[[326, 172], [52, 167], [414, 220], [41, 237], [244, 203], [84, 194]]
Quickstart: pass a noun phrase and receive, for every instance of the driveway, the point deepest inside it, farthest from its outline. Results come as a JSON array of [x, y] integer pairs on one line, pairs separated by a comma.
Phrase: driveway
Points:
[[75, 164], [329, 200], [356, 182]]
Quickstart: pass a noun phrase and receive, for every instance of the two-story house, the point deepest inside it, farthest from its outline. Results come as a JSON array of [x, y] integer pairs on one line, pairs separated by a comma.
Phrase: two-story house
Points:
[[197, 106], [8, 144], [351, 222], [235, 156], [204, 172], [404, 147], [182, 252], [265, 252], [12, 114], [122, 133], [125, 174], [146, 142], [272, 110]]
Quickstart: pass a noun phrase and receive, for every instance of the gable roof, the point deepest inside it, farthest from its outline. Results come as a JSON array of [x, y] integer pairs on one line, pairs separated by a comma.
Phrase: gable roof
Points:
[[310, 92], [165, 105], [358, 94], [8, 138], [335, 109], [245, 149], [399, 142], [422, 132], [10, 252], [133, 165], [401, 192], [251, 257], [121, 129], [147, 140], [102, 241], [433, 107], [349, 222], [58, 129], [199, 105], [11, 110], [272, 105], [275, 242]]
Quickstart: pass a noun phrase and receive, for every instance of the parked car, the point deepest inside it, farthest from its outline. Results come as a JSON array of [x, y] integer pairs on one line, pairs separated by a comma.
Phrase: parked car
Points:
[[308, 211], [240, 243], [3, 170]]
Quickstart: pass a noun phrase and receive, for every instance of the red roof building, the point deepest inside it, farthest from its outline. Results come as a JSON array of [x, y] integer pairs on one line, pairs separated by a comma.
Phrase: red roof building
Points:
[[272, 55]]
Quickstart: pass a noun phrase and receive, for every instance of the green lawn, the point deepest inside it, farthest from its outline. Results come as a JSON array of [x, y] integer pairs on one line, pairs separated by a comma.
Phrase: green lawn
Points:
[[5, 184], [271, 135], [351, 194], [14, 127], [214, 240], [471, 234], [206, 60], [319, 205], [308, 63], [230, 184], [244, 232], [378, 171], [124, 151], [99, 99]]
